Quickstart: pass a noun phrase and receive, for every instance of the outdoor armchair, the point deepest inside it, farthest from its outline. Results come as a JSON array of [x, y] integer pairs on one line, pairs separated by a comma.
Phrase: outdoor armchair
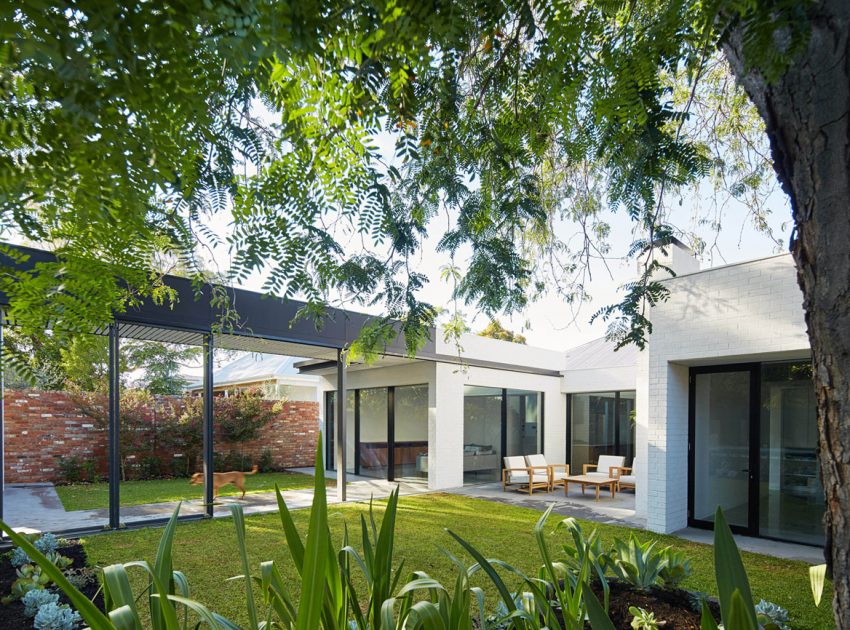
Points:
[[605, 467], [517, 473], [557, 472], [627, 475]]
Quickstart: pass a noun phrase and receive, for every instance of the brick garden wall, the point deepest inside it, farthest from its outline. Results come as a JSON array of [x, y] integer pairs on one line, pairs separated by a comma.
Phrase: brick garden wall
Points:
[[43, 427]]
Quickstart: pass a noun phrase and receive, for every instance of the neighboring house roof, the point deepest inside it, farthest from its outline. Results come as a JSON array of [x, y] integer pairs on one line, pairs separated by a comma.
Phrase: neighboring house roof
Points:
[[255, 367], [600, 353]]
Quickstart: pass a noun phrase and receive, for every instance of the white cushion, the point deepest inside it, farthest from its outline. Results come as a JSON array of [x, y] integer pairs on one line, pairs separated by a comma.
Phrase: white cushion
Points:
[[559, 474], [536, 460], [635, 466], [517, 461], [522, 477], [598, 475], [606, 462], [627, 479]]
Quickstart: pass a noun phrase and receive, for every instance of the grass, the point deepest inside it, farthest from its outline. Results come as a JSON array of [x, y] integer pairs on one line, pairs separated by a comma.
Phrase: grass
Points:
[[498, 530], [92, 496]]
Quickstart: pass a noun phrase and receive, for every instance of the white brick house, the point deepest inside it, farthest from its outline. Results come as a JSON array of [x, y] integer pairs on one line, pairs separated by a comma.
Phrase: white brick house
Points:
[[718, 408]]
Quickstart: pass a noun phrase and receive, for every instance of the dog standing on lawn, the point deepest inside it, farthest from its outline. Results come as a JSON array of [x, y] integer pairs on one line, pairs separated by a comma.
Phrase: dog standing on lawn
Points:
[[237, 478]]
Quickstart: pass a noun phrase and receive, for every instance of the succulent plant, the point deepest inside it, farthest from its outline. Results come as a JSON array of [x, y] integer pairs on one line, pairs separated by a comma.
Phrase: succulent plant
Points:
[[37, 598], [54, 616]]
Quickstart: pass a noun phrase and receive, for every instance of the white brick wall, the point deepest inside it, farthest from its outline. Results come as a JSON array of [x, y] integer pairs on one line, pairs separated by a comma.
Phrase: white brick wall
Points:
[[743, 312]]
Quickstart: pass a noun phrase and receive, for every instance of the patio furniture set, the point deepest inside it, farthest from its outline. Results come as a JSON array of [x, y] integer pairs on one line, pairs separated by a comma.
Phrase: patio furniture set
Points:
[[532, 472]]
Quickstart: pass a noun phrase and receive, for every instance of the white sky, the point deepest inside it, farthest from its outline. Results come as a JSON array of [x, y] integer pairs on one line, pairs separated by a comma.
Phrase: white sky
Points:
[[550, 322]]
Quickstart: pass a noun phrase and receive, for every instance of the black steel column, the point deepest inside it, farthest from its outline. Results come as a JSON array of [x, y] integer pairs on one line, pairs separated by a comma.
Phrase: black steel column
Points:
[[114, 372], [340, 437], [208, 425], [390, 433]]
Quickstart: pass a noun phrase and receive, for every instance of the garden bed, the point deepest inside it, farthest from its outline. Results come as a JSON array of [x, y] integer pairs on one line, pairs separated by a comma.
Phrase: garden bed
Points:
[[12, 614], [677, 608]]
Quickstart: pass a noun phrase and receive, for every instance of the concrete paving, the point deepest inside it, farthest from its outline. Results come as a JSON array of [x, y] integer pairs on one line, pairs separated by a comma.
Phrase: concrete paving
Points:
[[36, 507], [618, 511], [777, 549], [621, 511]]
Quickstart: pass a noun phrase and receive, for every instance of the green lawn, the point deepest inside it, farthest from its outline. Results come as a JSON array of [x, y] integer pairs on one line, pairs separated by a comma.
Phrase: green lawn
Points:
[[498, 530], [91, 496]]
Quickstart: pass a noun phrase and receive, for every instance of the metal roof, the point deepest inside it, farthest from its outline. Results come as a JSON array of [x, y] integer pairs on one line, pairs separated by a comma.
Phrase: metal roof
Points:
[[256, 367], [601, 353]]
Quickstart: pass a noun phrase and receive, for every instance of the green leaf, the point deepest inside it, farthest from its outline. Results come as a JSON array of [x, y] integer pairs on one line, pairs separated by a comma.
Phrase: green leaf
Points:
[[817, 575], [239, 525], [118, 594], [729, 571], [315, 554]]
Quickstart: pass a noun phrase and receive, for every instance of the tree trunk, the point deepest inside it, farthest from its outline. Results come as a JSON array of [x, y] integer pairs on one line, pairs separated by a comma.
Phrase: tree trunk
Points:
[[807, 115]]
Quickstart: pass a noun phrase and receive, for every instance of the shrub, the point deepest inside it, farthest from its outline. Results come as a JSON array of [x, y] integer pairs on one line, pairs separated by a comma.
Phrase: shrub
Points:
[[89, 471], [150, 467], [56, 617], [37, 598], [71, 469], [266, 463], [47, 544]]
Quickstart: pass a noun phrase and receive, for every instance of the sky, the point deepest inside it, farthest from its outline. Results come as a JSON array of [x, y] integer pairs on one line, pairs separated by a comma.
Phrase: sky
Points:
[[550, 322]]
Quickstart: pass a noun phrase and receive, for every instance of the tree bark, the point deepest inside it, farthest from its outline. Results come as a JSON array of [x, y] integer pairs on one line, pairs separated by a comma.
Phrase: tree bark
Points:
[[807, 116]]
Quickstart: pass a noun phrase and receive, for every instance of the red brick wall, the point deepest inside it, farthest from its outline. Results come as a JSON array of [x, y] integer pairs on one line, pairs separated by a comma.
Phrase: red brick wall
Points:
[[42, 427]]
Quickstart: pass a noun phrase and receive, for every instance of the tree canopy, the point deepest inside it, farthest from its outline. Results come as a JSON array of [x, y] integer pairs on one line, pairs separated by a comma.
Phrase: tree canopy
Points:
[[495, 330], [127, 130]]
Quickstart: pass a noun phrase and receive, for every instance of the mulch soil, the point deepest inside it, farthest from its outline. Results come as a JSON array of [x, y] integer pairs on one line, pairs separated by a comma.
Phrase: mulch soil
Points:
[[672, 606], [12, 615]]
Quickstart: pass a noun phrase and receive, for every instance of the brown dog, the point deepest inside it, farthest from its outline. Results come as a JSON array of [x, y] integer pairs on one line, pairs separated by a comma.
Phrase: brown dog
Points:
[[237, 478]]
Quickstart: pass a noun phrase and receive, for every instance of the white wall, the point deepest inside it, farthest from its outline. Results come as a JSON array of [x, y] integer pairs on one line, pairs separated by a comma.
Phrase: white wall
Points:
[[744, 312], [450, 383], [487, 349], [606, 379]]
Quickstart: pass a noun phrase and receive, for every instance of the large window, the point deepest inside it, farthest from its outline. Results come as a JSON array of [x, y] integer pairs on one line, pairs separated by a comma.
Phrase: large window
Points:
[[410, 438], [386, 431], [499, 423], [754, 450], [600, 424], [790, 491]]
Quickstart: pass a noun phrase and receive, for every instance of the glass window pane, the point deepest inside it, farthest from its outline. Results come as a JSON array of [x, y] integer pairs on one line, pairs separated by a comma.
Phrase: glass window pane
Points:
[[374, 454], [721, 446], [411, 432], [523, 422], [790, 491], [482, 434], [593, 428]]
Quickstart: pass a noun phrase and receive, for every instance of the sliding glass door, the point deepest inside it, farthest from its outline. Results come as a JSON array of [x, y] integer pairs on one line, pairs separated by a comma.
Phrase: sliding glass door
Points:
[[753, 450], [721, 446], [386, 432], [498, 423], [790, 492], [600, 424]]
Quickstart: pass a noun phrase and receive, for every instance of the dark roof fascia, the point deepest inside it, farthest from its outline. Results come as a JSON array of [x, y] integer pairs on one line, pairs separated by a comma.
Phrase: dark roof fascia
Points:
[[260, 315]]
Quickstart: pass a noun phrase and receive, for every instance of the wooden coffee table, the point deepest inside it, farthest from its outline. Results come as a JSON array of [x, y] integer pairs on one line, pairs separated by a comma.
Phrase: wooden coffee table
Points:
[[596, 482]]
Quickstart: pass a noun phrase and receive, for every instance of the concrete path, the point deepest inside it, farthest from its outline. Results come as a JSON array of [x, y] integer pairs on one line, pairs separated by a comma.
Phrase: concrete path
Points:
[[36, 507], [617, 511], [621, 511]]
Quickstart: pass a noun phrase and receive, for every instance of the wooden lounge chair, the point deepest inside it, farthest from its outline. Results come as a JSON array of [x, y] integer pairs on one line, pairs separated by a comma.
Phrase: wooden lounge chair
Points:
[[517, 473], [627, 475], [557, 472], [607, 467]]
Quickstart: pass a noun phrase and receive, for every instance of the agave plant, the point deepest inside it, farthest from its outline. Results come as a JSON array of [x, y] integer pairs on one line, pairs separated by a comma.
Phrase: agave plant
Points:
[[639, 564]]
